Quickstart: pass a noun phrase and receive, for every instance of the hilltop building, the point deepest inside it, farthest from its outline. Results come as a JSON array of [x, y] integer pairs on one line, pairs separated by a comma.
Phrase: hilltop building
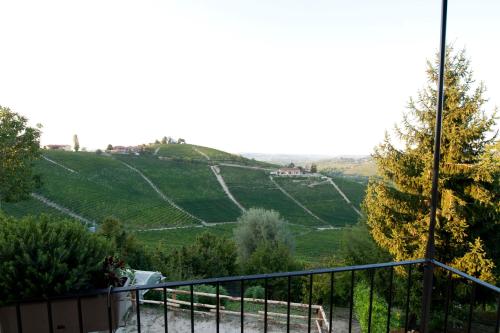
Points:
[[289, 172]]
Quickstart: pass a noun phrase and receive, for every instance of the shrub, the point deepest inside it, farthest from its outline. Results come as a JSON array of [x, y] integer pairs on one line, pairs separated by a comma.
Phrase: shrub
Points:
[[46, 256], [255, 292], [379, 309], [257, 226]]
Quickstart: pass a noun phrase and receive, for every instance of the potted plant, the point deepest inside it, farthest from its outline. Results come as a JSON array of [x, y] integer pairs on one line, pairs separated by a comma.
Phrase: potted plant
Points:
[[45, 257]]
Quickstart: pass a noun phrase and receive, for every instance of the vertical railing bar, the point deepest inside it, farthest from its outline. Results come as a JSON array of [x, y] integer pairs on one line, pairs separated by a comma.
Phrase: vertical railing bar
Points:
[[49, 312], [80, 317], [309, 313], [389, 303], [138, 310], [265, 305], [165, 309], [288, 304], [108, 309], [192, 307], [242, 313], [497, 326], [372, 277], [471, 308], [351, 301], [19, 319], [330, 321], [217, 300], [408, 288], [447, 304]]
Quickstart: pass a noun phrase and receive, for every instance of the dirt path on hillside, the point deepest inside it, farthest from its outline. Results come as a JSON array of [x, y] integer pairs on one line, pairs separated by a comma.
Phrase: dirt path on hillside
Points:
[[162, 195], [215, 169], [58, 164], [62, 209], [156, 151], [201, 153], [296, 201], [344, 196]]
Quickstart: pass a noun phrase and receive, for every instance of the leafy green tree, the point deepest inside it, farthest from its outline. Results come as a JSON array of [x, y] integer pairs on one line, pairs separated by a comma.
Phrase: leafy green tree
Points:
[[314, 168], [126, 245], [208, 256], [109, 147], [76, 143], [164, 140], [259, 226], [468, 217], [19, 148]]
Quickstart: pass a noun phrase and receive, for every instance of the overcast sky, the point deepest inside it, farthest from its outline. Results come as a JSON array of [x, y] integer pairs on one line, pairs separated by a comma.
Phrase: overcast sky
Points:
[[290, 76]]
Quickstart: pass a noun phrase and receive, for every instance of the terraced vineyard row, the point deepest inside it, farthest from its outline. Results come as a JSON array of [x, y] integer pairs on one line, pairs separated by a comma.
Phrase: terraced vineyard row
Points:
[[29, 207], [353, 189], [104, 187], [190, 185], [321, 198], [253, 188]]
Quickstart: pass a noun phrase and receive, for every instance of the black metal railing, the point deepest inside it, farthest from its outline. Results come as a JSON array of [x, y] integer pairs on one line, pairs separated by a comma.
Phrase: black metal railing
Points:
[[382, 274]]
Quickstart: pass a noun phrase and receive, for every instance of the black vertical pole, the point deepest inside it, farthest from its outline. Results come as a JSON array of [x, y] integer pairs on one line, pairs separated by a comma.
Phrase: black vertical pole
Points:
[[429, 253]]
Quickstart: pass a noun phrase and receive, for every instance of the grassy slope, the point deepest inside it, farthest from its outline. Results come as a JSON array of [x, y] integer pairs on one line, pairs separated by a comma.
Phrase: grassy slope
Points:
[[191, 185], [310, 245], [354, 190], [105, 187], [323, 199], [189, 152], [253, 188], [29, 207]]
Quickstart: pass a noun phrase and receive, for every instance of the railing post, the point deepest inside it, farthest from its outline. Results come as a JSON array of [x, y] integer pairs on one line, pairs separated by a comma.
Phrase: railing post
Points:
[[429, 253]]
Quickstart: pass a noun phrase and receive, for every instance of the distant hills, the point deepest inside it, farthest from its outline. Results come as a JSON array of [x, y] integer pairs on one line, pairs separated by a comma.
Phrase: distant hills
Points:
[[348, 165]]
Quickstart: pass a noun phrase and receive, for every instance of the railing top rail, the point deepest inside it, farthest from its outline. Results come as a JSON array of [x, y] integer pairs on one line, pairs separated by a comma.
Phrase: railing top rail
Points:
[[467, 276], [231, 279]]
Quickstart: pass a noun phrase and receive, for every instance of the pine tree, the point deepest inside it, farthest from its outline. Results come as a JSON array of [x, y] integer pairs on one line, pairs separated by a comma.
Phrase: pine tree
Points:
[[397, 206], [76, 143]]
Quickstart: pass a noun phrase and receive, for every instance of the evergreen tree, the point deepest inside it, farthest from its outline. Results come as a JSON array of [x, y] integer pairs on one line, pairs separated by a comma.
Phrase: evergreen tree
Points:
[[468, 217], [76, 143]]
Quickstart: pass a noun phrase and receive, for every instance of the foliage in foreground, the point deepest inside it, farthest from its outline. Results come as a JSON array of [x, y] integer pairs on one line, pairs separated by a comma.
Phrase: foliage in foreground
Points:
[[43, 256], [19, 148], [379, 310], [398, 206], [208, 256]]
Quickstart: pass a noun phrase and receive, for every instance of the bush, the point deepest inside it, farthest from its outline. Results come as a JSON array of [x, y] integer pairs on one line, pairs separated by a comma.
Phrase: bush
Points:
[[257, 226], [255, 292], [209, 256], [203, 288], [379, 310], [45, 256]]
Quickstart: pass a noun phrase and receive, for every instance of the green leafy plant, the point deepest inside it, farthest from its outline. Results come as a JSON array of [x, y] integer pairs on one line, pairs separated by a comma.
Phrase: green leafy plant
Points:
[[46, 256], [379, 310]]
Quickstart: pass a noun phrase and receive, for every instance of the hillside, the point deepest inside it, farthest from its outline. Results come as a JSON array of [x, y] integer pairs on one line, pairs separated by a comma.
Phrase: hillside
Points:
[[177, 191]]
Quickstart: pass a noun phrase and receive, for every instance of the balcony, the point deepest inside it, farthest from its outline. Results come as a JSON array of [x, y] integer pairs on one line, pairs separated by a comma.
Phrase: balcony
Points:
[[460, 303]]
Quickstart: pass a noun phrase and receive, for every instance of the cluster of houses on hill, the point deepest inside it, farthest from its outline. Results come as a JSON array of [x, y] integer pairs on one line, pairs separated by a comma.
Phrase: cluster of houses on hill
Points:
[[58, 147], [294, 171]]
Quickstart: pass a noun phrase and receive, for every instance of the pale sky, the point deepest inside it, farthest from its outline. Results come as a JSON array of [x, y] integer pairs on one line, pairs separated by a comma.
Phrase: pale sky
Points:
[[290, 76]]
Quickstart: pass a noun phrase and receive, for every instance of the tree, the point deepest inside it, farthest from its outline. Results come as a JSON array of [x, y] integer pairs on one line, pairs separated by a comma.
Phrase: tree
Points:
[[19, 148], [468, 217], [126, 245], [109, 147], [76, 143], [257, 227], [164, 140], [181, 141], [157, 142], [209, 256], [314, 168]]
